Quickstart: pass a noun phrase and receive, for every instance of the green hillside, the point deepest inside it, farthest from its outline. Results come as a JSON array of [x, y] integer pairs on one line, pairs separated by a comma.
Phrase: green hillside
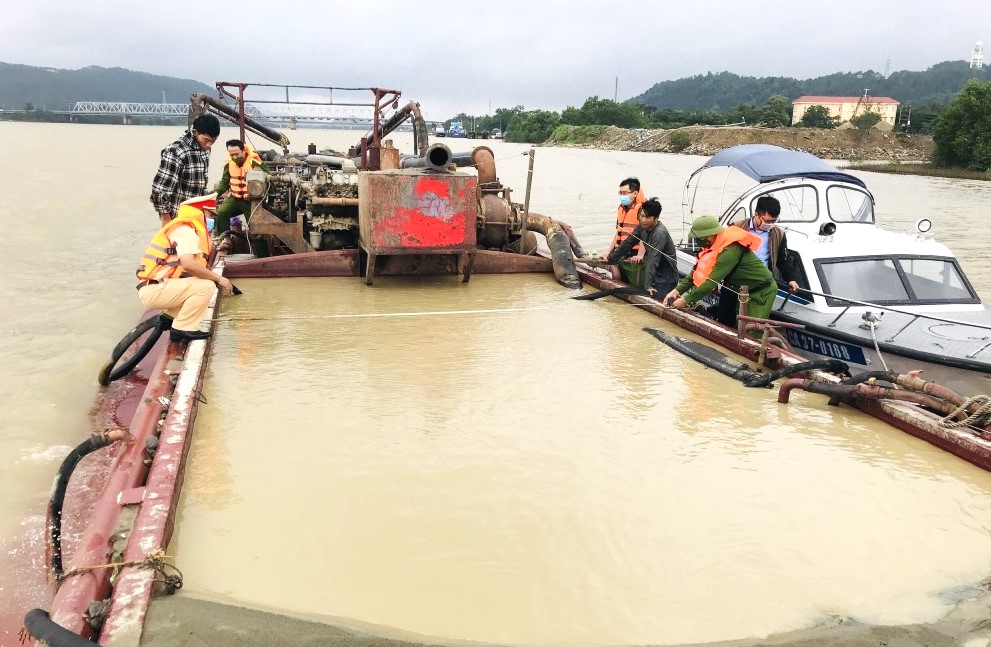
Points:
[[723, 90], [55, 89]]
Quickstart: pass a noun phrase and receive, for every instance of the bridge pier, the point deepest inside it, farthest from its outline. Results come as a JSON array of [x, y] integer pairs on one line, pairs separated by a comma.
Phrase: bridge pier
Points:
[[126, 119]]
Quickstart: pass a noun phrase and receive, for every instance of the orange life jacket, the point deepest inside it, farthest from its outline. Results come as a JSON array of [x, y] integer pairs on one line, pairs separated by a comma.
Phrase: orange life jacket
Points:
[[626, 220], [160, 261], [725, 238], [239, 186]]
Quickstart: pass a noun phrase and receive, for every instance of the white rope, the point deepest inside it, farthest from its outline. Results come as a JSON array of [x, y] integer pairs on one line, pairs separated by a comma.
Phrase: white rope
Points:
[[367, 315], [876, 348]]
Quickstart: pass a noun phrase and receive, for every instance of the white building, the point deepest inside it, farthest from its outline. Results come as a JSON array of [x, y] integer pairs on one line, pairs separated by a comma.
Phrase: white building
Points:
[[846, 108], [977, 57]]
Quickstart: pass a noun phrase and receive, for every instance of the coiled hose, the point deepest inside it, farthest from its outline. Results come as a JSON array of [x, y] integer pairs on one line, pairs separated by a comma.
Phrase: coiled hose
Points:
[[43, 629], [57, 498]]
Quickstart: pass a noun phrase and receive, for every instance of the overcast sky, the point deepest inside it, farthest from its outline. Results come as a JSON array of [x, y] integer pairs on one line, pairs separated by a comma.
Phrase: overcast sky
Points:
[[470, 55]]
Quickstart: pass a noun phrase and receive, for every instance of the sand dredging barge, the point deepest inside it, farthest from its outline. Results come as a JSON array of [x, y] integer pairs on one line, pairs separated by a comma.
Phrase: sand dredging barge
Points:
[[375, 212]]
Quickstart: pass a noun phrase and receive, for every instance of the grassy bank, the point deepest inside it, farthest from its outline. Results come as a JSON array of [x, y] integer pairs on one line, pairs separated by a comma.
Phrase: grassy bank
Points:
[[576, 135], [928, 170]]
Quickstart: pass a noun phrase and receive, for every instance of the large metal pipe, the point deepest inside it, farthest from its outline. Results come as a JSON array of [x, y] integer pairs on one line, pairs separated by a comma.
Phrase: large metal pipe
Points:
[[206, 102], [437, 158], [483, 159], [557, 241]]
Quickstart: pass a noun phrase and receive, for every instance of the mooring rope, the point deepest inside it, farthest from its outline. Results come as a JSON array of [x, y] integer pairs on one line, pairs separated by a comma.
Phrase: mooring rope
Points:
[[877, 349], [979, 419], [154, 560]]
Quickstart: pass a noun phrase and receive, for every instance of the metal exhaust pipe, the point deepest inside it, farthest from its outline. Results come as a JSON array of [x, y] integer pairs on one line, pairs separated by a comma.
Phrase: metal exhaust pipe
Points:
[[437, 158]]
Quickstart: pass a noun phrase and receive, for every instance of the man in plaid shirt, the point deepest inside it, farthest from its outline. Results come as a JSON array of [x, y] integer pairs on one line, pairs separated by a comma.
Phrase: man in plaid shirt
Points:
[[182, 173]]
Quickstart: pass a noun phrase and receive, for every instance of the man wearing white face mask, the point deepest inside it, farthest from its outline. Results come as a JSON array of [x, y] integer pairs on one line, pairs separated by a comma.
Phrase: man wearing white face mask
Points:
[[773, 251], [627, 214]]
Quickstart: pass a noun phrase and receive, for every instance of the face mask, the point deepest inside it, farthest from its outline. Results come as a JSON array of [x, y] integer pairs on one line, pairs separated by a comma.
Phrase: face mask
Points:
[[766, 226], [625, 200], [209, 224]]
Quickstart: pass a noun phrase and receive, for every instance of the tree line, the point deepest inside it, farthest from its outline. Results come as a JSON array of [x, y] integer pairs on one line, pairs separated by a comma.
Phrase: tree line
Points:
[[961, 129]]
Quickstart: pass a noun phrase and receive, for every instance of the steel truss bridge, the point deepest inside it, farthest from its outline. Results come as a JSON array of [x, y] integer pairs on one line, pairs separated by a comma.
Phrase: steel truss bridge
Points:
[[331, 115]]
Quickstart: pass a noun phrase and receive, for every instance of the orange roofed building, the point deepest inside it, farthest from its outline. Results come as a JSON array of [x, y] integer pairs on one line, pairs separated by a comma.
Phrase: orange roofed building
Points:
[[846, 108]]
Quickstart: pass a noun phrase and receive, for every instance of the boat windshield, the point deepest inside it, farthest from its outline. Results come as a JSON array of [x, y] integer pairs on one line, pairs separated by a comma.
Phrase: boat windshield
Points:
[[847, 204], [895, 280]]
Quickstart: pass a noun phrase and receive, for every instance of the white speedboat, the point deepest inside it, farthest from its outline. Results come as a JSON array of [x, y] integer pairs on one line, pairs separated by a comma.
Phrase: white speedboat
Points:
[[876, 298]]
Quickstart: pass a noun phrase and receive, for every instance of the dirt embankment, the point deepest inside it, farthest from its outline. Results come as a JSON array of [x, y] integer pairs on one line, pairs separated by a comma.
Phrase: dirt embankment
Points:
[[845, 144]]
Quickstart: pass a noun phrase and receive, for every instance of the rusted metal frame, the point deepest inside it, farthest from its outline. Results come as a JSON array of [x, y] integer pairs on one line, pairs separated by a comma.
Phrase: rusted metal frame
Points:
[[526, 197], [768, 330], [155, 519], [239, 98], [370, 268], [469, 264], [127, 472]]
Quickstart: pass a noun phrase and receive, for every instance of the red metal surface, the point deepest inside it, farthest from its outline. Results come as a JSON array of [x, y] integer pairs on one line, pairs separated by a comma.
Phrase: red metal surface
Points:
[[408, 211], [341, 262], [128, 471], [155, 519], [344, 262]]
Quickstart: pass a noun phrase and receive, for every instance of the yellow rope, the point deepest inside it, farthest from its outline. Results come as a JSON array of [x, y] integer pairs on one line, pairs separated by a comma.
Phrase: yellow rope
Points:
[[154, 560]]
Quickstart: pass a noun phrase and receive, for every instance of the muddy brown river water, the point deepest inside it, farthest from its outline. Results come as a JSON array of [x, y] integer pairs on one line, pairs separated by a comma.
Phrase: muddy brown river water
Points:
[[492, 461]]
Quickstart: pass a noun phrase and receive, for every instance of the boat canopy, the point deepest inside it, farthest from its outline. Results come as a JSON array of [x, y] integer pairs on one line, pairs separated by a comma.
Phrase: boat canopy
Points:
[[767, 163]]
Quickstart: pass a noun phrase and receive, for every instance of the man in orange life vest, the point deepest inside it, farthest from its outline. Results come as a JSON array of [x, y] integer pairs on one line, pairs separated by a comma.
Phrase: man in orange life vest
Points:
[[727, 257], [627, 218], [241, 159], [173, 274]]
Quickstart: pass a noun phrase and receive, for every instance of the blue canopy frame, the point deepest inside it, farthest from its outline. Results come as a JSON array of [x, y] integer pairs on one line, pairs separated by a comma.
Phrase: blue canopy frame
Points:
[[767, 163]]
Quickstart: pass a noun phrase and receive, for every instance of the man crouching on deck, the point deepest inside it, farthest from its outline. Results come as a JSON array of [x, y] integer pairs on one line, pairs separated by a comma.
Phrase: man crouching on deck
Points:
[[173, 274], [728, 257]]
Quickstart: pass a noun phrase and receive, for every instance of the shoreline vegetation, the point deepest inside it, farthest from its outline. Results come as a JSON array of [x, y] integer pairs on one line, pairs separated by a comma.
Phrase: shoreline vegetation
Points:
[[919, 168], [873, 150]]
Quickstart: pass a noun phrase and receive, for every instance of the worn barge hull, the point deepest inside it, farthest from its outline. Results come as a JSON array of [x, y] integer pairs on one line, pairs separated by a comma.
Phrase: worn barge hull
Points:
[[139, 500], [347, 262], [143, 498], [971, 445]]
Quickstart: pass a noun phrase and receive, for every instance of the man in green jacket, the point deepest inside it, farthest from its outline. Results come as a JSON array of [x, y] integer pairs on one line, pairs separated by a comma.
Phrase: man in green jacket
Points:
[[241, 159], [727, 257]]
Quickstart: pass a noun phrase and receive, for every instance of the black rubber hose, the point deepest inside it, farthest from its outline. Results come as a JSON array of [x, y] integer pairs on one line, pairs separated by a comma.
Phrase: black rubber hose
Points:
[[110, 371], [706, 355], [608, 292], [831, 365], [859, 378], [57, 498], [42, 628]]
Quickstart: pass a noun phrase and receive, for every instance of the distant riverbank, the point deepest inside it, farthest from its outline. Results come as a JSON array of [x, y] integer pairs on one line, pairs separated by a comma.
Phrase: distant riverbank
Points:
[[836, 144], [872, 150]]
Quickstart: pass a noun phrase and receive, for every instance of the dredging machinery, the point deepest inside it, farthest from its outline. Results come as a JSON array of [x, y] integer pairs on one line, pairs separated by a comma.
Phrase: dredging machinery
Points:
[[383, 212], [369, 212]]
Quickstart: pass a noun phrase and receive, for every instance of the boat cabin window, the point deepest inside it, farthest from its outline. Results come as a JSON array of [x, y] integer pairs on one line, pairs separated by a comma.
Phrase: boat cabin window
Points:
[[847, 204], [798, 203], [894, 280], [934, 278]]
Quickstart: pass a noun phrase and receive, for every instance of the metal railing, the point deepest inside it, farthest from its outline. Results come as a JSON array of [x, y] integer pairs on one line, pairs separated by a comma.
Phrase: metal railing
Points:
[[915, 316]]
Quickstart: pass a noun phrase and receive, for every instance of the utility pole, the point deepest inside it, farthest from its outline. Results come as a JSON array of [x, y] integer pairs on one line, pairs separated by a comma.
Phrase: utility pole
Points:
[[615, 95]]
